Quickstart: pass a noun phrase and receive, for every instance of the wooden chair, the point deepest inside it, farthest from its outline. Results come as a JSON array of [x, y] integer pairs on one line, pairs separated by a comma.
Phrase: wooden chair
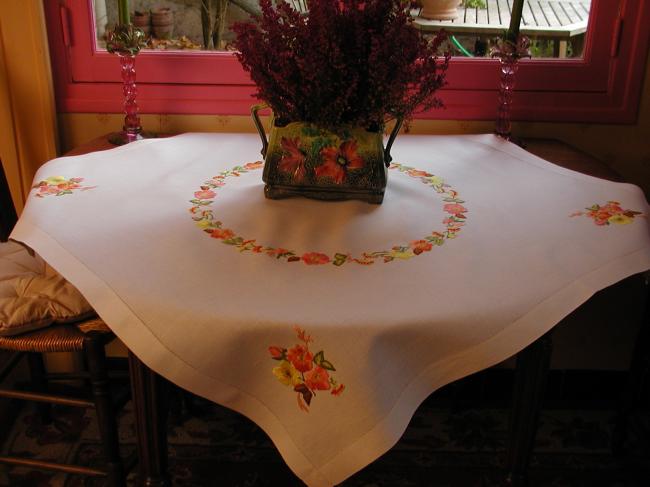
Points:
[[88, 336]]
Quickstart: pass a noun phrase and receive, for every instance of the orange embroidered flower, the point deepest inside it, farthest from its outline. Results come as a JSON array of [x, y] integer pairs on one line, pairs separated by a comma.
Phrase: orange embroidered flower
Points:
[[276, 352], [300, 357], [317, 379], [253, 165], [416, 173], [454, 208], [205, 194], [450, 221], [337, 162], [338, 390], [222, 233], [293, 159], [420, 246], [315, 258]]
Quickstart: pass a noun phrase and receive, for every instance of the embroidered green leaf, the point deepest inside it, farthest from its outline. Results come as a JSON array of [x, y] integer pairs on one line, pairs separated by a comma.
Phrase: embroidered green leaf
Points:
[[233, 241], [319, 357], [339, 259], [201, 202], [327, 365]]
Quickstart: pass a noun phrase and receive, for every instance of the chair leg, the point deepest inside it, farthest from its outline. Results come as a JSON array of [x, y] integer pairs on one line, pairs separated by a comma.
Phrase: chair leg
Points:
[[530, 382], [37, 374], [96, 359]]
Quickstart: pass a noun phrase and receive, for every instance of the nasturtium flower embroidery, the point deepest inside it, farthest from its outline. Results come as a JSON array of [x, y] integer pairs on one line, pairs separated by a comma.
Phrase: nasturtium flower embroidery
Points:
[[305, 371], [59, 186], [610, 213], [453, 206]]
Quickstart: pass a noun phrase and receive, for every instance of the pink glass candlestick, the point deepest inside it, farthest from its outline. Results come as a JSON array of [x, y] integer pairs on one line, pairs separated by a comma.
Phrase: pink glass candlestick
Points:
[[509, 54], [125, 41]]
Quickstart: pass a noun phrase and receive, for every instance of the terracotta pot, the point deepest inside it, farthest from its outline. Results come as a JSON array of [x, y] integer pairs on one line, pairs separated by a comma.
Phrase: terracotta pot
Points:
[[439, 9], [142, 20], [163, 22]]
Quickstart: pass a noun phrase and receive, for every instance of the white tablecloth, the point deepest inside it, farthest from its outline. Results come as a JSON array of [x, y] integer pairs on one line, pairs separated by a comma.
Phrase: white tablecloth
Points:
[[328, 323]]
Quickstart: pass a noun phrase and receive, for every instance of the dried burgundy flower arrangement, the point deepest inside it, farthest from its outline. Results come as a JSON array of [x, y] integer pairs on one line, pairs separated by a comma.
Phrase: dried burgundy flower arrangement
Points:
[[358, 62]]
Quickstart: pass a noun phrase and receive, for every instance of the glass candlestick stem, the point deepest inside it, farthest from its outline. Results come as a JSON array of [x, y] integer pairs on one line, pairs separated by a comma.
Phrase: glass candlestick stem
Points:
[[508, 70], [132, 129], [509, 53]]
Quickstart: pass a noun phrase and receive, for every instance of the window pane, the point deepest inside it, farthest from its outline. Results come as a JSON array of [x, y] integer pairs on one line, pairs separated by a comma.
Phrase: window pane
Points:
[[179, 24], [556, 28]]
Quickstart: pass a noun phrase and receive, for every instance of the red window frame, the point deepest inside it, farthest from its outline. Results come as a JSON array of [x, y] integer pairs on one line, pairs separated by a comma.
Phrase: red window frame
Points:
[[604, 86]]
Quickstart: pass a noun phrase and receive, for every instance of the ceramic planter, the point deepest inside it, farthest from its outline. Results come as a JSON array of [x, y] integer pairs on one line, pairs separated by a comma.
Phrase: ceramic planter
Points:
[[304, 159]]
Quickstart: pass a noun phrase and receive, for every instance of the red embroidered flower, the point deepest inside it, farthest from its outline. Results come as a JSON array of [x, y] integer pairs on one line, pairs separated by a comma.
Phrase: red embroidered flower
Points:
[[420, 246], [222, 233], [315, 258], [293, 159], [337, 162], [317, 379], [338, 390], [416, 173], [451, 221], [276, 352], [253, 165], [300, 357], [205, 194], [454, 208]]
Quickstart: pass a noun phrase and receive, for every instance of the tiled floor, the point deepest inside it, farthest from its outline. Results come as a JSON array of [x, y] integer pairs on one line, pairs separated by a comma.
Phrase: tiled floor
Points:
[[440, 448]]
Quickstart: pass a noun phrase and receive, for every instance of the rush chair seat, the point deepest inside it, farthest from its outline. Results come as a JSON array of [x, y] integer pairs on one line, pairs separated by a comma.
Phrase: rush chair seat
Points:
[[40, 312]]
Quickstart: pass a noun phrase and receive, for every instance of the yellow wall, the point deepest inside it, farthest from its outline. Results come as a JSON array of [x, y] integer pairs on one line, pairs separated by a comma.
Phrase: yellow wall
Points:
[[27, 110], [625, 148]]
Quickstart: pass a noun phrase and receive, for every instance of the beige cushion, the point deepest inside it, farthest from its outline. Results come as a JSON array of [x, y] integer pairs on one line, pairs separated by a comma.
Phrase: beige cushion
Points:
[[33, 295]]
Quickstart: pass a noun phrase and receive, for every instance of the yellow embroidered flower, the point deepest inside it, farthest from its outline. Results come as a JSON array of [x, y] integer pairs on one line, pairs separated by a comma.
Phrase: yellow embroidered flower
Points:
[[402, 253], [203, 224], [55, 180], [287, 374], [435, 180], [620, 219]]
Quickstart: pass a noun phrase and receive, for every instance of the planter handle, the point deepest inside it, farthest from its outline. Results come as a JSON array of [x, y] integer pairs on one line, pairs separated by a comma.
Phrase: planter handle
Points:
[[259, 127], [387, 157]]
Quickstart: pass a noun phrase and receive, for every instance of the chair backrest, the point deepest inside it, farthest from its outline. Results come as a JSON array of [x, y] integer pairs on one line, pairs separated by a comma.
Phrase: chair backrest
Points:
[[8, 216]]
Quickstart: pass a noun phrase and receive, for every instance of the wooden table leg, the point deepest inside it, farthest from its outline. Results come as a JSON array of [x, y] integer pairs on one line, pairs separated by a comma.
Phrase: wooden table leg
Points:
[[530, 381], [150, 410]]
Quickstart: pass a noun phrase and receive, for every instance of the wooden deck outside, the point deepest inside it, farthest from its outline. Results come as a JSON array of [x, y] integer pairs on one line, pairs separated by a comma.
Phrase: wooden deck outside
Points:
[[558, 20]]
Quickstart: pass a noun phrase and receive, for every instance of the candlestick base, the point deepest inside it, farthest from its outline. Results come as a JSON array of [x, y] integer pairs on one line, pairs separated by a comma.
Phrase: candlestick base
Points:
[[123, 137]]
